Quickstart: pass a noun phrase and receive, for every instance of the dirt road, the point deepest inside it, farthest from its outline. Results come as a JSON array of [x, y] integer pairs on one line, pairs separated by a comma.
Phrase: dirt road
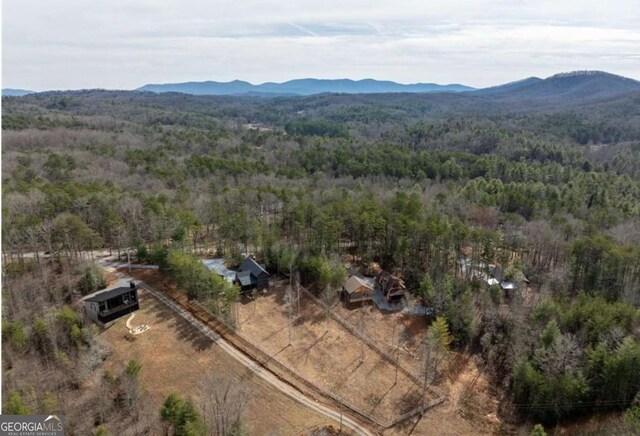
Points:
[[254, 367]]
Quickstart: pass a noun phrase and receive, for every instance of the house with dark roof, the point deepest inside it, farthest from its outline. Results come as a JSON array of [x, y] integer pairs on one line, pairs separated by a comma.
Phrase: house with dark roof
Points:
[[107, 306], [251, 275], [392, 287]]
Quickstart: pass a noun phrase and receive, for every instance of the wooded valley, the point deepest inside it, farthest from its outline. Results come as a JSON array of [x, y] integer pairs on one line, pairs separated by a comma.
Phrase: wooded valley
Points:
[[431, 187]]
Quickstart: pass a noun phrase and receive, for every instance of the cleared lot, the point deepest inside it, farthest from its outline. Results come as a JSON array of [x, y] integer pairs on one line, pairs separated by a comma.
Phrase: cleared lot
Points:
[[328, 355], [177, 357], [475, 415]]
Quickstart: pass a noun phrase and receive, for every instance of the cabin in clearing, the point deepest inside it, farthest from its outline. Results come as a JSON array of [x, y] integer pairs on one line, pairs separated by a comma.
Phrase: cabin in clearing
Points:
[[496, 276], [356, 289], [251, 275], [107, 306]]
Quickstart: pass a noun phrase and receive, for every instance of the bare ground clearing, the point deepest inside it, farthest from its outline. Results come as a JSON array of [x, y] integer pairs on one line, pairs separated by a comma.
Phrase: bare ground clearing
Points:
[[396, 332], [177, 357], [475, 415], [328, 355], [472, 403]]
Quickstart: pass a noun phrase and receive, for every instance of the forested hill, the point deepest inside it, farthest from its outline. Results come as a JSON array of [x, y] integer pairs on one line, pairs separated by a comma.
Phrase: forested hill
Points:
[[422, 184], [574, 86]]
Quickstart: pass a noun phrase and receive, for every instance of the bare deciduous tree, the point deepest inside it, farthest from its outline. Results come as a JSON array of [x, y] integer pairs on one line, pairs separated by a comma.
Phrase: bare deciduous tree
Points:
[[328, 297], [223, 402], [291, 301]]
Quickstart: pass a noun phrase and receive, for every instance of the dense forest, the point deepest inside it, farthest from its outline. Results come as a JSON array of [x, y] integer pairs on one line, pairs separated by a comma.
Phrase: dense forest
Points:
[[420, 184]]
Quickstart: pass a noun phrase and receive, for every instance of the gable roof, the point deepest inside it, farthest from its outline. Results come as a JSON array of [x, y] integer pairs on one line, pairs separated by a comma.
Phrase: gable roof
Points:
[[353, 283], [249, 264], [496, 272], [507, 285], [217, 266], [246, 278], [388, 281], [108, 295]]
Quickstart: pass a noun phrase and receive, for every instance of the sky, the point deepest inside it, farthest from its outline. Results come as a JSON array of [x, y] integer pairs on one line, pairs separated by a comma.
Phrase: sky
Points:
[[117, 44]]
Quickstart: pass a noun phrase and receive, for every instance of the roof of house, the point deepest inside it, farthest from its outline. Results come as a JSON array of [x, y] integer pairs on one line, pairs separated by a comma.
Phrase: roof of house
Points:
[[396, 291], [218, 266], [507, 285], [496, 272], [390, 281], [249, 264], [353, 283], [396, 282], [108, 295], [246, 278]]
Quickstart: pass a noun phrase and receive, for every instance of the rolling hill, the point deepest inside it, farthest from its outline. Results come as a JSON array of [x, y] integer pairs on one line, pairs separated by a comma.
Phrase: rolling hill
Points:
[[574, 85]]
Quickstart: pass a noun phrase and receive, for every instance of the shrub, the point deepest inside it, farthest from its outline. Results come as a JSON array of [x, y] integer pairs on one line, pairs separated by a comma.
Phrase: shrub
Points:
[[538, 430], [15, 406], [40, 335], [19, 268], [133, 368], [182, 416], [14, 334], [91, 280], [632, 416]]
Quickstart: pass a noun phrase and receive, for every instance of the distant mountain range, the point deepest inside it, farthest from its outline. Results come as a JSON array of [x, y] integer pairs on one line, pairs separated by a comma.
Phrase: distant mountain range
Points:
[[301, 87], [10, 92], [577, 84], [573, 86]]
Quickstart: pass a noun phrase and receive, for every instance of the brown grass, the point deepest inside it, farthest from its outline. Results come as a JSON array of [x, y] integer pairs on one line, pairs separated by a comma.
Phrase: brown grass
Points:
[[328, 355], [326, 362], [176, 357]]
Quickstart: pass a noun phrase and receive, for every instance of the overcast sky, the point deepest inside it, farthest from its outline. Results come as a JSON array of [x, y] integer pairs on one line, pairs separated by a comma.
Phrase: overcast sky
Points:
[[71, 44]]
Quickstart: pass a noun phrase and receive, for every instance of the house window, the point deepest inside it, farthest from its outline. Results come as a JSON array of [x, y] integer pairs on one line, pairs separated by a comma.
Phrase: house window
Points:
[[103, 306]]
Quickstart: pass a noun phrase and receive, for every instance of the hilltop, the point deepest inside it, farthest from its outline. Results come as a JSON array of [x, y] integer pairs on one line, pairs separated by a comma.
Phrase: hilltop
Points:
[[572, 85]]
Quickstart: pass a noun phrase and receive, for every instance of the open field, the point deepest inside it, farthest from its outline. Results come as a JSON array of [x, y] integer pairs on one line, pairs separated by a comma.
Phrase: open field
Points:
[[177, 357]]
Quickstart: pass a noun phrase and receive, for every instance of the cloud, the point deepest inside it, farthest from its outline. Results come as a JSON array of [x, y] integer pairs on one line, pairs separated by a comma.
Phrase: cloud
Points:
[[72, 44]]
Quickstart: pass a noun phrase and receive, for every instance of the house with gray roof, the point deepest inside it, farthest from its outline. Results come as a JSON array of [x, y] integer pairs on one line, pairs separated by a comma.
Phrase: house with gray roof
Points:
[[251, 275]]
